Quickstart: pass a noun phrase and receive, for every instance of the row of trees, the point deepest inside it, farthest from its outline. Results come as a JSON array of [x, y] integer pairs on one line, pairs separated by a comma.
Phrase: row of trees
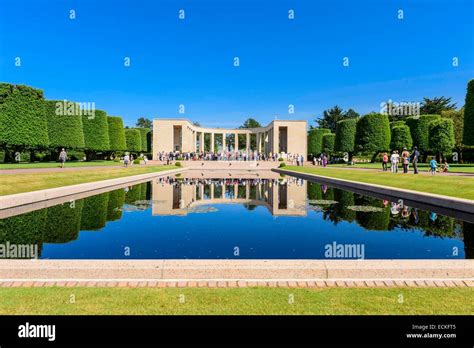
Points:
[[373, 133], [28, 122]]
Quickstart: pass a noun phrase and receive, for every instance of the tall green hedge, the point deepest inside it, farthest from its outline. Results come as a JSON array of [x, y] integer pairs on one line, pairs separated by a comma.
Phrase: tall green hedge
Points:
[[328, 143], [394, 124], [64, 125], [315, 140], [441, 136], [146, 146], [116, 134], [133, 139], [96, 131], [345, 135], [373, 133], [401, 138], [468, 136], [23, 123], [419, 129]]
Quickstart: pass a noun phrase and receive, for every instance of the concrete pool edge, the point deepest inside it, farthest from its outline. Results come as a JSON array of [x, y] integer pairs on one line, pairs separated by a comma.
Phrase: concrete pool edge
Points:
[[24, 198], [447, 202], [237, 273]]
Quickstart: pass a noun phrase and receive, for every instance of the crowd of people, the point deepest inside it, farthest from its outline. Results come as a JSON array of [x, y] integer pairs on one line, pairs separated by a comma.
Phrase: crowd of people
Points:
[[405, 158]]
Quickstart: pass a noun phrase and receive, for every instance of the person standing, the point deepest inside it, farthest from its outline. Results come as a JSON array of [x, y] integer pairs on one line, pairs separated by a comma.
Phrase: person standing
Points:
[[433, 166], [62, 157], [415, 157], [405, 159], [385, 162], [394, 159], [126, 159]]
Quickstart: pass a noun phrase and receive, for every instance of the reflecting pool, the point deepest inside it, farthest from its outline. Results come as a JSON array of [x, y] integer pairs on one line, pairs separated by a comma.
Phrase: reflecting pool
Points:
[[280, 218]]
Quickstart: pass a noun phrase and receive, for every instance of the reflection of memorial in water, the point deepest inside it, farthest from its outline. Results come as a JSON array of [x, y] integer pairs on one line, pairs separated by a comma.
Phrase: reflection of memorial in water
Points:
[[181, 196]]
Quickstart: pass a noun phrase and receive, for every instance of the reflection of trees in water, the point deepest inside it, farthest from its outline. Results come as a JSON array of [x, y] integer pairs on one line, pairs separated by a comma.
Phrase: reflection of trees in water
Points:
[[468, 237], [94, 212], [63, 222], [250, 207], [114, 206], [372, 220]]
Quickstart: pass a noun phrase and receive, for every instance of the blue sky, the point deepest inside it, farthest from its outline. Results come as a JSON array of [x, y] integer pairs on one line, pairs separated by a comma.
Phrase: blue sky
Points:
[[282, 61]]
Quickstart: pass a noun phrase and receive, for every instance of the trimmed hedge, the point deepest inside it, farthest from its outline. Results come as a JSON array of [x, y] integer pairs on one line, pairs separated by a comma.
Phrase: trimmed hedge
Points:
[[133, 140], [345, 135], [468, 135], [373, 133], [146, 146], [401, 138], [23, 121], [315, 140], [394, 124], [328, 143], [419, 129], [441, 136], [96, 132], [116, 134], [64, 125]]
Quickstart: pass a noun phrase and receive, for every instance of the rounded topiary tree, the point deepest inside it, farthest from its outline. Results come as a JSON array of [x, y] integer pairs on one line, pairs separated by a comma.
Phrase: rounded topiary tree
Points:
[[419, 130], [397, 124], [133, 140], [345, 136], [401, 138], [23, 123], [373, 134], [146, 146], [328, 143], [441, 136], [116, 134], [96, 133], [468, 135], [64, 125], [315, 140]]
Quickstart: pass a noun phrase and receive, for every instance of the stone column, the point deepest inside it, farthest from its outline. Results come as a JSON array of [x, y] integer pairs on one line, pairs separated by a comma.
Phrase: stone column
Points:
[[223, 142], [212, 190], [212, 142], [236, 142], [201, 142], [247, 145]]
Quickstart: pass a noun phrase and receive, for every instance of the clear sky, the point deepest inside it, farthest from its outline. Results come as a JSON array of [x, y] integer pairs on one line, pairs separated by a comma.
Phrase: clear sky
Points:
[[282, 61]]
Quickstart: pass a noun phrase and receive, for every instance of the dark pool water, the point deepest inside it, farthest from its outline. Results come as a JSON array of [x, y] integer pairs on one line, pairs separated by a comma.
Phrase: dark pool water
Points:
[[284, 218]]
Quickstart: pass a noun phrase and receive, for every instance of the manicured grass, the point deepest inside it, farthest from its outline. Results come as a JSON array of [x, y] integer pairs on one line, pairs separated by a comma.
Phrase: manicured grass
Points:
[[453, 168], [16, 183], [57, 300], [57, 164], [455, 186]]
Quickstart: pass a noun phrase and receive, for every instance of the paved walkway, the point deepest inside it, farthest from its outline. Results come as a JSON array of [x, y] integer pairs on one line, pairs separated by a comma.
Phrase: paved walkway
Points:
[[237, 273]]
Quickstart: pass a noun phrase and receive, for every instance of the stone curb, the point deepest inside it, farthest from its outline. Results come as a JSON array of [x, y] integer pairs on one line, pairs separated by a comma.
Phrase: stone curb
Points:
[[19, 199], [464, 205]]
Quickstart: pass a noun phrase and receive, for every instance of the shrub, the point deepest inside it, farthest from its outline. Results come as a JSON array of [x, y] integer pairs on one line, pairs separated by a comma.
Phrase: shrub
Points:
[[282, 164], [133, 140], [96, 132], [23, 123], [328, 143], [468, 134], [401, 138], [116, 134], [178, 164], [146, 146], [280, 159], [397, 124], [64, 125], [315, 140], [345, 135], [373, 133], [136, 161], [419, 129], [441, 136], [458, 122]]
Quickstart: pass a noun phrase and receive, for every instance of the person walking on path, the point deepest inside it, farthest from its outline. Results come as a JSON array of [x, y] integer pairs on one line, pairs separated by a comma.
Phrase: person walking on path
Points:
[[385, 162], [406, 160], [415, 156], [126, 159], [62, 157], [394, 159], [433, 166]]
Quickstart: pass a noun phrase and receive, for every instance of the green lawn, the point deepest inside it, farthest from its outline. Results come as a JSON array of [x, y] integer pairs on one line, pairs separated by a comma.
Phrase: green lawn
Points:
[[453, 168], [455, 186], [59, 300], [16, 183], [56, 164]]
